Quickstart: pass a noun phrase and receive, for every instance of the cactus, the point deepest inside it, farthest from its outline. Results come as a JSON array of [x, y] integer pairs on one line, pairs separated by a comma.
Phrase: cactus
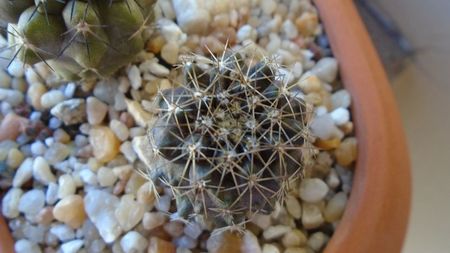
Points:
[[78, 39], [229, 140]]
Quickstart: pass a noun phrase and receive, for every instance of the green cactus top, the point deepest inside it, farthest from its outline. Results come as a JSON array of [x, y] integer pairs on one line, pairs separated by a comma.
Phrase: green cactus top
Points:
[[78, 39]]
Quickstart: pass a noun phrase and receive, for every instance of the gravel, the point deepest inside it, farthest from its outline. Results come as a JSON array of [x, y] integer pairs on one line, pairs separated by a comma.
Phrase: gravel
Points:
[[74, 186]]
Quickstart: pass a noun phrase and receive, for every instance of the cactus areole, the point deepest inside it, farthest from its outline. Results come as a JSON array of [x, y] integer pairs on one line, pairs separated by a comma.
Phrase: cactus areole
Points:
[[78, 39], [229, 140]]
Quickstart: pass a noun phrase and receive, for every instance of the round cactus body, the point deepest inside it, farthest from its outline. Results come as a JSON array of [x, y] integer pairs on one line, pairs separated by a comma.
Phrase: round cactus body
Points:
[[229, 140], [78, 39]]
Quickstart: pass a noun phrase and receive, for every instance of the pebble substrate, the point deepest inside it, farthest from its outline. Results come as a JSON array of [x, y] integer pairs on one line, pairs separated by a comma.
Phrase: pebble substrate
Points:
[[69, 153]]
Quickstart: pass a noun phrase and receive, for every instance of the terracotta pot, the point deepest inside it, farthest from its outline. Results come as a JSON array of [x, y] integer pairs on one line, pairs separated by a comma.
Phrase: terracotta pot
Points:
[[376, 217], [378, 209]]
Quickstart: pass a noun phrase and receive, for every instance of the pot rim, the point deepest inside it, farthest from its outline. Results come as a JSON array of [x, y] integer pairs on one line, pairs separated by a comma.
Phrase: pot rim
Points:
[[376, 217]]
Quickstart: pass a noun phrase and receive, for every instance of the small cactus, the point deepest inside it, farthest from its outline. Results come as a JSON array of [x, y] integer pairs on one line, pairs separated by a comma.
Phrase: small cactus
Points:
[[229, 140], [78, 39]]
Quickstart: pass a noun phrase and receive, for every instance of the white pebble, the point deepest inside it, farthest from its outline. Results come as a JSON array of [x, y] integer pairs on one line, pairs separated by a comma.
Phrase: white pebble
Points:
[[270, 248], [169, 52], [341, 99], [129, 212], [66, 186], [119, 102], [12, 97], [263, 221], [289, 30], [167, 9], [246, 32], [333, 180], [250, 243], [70, 89], [172, 32], [294, 238], [340, 116], [72, 246], [54, 123], [276, 231], [106, 177], [32, 202], [100, 207], [16, 69], [137, 131], [42, 172], [97, 246], [192, 17], [51, 98], [317, 240], [185, 242], [34, 233], [96, 110], [293, 207], [152, 220], [335, 207], [313, 190], [297, 70], [127, 150], [133, 242], [119, 129], [134, 75], [163, 204], [324, 128], [38, 148], [193, 229], [26, 246], [268, 6], [311, 216], [63, 232], [158, 69], [274, 43], [10, 203], [326, 69], [88, 177], [15, 158], [51, 196]]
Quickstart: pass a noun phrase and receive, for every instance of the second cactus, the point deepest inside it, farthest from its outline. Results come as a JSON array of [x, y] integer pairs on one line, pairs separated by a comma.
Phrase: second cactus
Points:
[[78, 39]]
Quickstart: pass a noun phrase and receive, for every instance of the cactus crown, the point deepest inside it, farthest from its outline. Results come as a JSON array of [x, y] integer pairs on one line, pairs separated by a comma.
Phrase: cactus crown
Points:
[[229, 140], [78, 39]]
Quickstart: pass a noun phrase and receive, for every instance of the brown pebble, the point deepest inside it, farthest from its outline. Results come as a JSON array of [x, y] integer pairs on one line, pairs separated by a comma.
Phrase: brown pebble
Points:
[[70, 210], [327, 144], [160, 232], [119, 187], [104, 142], [45, 216], [212, 44], [225, 242], [307, 23], [11, 126], [347, 128], [157, 245], [127, 119], [347, 152], [84, 152], [155, 44], [226, 35], [145, 194]]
